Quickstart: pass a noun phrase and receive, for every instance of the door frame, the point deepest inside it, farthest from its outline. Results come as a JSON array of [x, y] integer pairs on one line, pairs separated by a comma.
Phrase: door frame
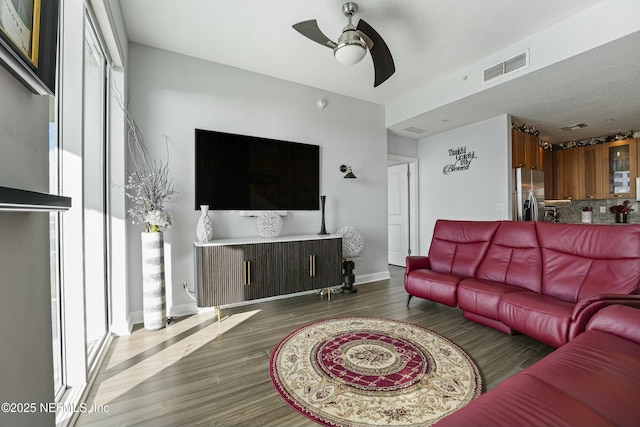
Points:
[[414, 223]]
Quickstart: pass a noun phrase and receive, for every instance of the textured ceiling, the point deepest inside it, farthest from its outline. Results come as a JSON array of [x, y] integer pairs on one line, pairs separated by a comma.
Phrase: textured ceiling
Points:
[[429, 39]]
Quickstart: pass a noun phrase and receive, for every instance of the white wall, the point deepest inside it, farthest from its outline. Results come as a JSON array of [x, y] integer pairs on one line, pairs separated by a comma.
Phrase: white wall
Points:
[[471, 194], [172, 95], [566, 39], [401, 146], [25, 304]]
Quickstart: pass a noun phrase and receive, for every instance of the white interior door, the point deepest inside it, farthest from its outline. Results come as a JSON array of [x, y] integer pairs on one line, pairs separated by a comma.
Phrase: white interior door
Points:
[[398, 210]]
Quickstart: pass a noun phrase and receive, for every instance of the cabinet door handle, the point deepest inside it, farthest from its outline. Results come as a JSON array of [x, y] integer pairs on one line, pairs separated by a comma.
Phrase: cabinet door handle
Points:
[[314, 265], [246, 273], [310, 265]]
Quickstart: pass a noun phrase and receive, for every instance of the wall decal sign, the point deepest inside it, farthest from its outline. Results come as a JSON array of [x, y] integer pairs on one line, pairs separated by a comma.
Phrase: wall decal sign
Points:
[[463, 160]]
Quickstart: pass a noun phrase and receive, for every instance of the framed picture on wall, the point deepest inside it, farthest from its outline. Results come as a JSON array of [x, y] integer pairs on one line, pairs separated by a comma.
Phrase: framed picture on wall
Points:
[[28, 42]]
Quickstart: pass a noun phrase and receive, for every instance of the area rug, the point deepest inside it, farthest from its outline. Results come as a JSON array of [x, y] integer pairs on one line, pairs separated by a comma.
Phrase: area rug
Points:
[[364, 371]]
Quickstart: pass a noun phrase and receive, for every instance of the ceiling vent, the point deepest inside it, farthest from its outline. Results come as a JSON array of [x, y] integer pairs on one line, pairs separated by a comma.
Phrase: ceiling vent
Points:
[[575, 127], [414, 130], [505, 67]]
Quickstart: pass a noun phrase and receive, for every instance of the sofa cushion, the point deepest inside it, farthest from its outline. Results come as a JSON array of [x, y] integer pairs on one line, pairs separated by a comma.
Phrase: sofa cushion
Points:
[[432, 285], [514, 256], [523, 400], [582, 261], [482, 296], [457, 247], [594, 380], [600, 370], [620, 320], [539, 316]]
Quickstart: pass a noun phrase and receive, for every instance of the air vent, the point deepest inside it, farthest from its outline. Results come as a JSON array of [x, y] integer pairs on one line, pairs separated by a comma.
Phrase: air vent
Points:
[[414, 130], [575, 127], [505, 67]]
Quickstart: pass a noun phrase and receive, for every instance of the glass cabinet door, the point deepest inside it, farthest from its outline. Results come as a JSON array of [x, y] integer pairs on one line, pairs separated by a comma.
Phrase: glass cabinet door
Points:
[[621, 168]]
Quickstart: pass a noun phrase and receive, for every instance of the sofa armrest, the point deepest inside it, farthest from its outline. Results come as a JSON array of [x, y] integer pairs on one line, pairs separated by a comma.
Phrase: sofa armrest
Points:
[[415, 262], [586, 309], [620, 320]]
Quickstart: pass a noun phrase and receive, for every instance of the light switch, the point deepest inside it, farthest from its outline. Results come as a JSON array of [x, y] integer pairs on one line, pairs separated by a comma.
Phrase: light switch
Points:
[[603, 209]]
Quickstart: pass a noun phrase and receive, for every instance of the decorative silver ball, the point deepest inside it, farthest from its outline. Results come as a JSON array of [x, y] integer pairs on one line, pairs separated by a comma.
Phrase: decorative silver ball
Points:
[[269, 225], [352, 241]]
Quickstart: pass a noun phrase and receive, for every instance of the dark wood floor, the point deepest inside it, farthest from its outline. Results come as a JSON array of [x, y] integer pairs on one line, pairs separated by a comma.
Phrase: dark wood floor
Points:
[[197, 372]]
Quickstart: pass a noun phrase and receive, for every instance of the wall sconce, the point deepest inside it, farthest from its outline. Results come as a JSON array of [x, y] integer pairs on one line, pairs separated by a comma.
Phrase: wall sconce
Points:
[[347, 169]]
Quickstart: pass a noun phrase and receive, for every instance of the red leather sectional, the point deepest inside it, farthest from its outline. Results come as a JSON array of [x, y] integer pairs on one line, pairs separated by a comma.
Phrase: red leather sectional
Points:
[[592, 381], [541, 279]]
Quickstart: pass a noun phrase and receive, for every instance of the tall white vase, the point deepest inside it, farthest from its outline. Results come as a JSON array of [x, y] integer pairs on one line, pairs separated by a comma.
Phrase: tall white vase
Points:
[[153, 287], [204, 228]]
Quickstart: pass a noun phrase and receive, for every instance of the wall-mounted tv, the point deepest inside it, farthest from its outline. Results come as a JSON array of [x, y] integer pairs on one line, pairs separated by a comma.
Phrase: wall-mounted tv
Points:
[[239, 172]]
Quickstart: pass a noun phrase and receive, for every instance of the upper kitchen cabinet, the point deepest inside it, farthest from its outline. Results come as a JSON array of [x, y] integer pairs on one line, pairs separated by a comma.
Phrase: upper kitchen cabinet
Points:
[[526, 150], [620, 168], [549, 175], [566, 177], [590, 171]]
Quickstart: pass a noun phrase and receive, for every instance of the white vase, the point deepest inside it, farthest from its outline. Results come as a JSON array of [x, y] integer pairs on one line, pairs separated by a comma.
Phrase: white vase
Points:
[[153, 287], [204, 228], [269, 225]]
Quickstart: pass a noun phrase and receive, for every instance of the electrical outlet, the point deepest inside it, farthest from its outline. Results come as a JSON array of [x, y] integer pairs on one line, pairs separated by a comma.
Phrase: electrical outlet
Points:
[[499, 207], [603, 209]]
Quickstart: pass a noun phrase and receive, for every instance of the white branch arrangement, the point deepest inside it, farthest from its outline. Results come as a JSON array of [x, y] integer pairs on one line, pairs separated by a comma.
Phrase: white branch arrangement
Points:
[[149, 186]]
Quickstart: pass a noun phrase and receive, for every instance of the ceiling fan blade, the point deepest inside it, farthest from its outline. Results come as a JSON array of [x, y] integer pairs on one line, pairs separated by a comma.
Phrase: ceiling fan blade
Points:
[[310, 30], [380, 53]]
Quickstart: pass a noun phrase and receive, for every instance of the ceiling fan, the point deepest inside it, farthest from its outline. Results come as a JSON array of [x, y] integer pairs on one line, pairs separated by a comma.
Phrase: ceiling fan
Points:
[[354, 43]]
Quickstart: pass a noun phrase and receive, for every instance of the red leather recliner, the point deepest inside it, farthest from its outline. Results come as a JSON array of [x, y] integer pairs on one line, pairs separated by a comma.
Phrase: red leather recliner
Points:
[[541, 279]]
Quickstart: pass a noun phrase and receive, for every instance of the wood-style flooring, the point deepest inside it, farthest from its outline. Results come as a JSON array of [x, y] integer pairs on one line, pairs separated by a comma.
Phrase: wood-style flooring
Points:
[[198, 372]]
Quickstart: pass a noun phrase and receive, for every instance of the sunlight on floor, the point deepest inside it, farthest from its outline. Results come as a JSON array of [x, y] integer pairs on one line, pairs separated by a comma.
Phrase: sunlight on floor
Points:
[[126, 380]]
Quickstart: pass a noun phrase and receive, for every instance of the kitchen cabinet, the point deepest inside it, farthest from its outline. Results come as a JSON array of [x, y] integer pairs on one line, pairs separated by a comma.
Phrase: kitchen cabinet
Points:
[[620, 169], [590, 171], [235, 270], [549, 172], [525, 150], [566, 174]]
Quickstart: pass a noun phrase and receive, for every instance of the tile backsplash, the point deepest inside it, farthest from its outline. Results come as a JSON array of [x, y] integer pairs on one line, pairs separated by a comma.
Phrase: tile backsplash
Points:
[[569, 211]]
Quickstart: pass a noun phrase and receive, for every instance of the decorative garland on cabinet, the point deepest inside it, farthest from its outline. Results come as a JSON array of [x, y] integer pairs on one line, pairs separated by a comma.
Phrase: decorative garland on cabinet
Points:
[[573, 144]]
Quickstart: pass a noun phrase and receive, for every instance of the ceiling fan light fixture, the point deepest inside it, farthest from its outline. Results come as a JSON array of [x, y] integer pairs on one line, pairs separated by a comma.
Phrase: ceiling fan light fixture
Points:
[[353, 43], [350, 52]]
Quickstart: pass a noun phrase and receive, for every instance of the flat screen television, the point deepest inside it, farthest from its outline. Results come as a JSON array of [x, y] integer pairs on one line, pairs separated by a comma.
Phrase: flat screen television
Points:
[[239, 172]]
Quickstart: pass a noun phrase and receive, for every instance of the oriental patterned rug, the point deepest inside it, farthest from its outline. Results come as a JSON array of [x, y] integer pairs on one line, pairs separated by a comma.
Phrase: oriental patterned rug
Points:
[[364, 371]]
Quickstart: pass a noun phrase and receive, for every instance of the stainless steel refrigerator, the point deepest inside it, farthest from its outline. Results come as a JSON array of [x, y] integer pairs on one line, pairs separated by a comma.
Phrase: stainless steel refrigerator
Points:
[[528, 195]]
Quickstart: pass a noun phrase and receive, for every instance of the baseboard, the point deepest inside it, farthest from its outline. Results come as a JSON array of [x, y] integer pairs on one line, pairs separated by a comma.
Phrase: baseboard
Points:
[[372, 277], [179, 310], [136, 317], [183, 310], [124, 327]]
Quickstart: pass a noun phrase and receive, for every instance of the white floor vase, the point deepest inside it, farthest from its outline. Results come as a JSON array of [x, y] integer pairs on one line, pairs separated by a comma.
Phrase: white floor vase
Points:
[[153, 286]]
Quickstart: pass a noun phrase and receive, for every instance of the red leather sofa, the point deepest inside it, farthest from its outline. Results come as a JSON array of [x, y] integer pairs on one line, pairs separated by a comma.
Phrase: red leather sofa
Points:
[[592, 381], [541, 279]]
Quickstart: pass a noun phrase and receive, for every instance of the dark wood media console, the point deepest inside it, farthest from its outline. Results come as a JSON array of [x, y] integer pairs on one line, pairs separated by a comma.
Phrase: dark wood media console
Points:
[[235, 270]]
